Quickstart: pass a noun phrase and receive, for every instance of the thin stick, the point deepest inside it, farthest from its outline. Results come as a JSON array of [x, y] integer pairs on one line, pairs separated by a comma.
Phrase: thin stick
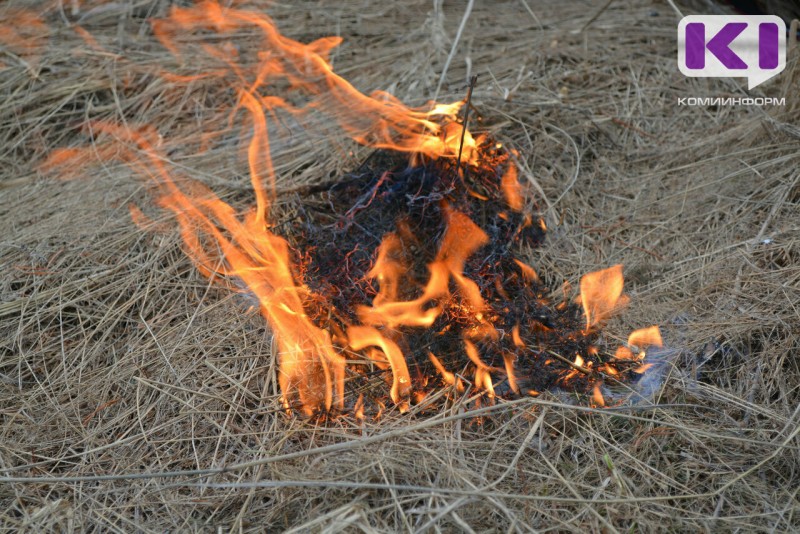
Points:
[[472, 82], [594, 17], [453, 48], [582, 369], [675, 8]]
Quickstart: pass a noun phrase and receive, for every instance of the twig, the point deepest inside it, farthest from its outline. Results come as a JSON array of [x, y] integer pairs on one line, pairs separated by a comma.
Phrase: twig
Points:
[[453, 48], [594, 17], [675, 8], [529, 10], [577, 164], [472, 82], [582, 369]]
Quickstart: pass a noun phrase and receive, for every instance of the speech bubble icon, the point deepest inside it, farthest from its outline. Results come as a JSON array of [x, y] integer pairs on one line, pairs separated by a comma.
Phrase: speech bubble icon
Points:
[[728, 46]]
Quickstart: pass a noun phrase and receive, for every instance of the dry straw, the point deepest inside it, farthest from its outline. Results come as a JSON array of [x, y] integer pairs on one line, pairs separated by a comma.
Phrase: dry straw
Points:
[[135, 395]]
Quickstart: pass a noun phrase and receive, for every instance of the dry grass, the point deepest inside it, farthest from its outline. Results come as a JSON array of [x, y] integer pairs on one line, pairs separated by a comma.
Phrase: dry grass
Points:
[[134, 395]]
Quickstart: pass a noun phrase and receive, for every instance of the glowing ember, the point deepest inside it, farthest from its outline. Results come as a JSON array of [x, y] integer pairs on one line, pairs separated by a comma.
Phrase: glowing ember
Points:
[[413, 268]]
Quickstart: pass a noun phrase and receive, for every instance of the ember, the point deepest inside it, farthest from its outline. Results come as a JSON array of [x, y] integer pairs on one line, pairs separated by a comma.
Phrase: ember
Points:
[[400, 277]]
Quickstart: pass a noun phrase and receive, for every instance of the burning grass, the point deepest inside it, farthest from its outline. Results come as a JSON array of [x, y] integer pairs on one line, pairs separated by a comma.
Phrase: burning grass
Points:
[[136, 394], [419, 219]]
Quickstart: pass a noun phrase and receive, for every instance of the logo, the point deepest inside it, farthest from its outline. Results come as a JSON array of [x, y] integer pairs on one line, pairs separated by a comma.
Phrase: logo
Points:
[[727, 46]]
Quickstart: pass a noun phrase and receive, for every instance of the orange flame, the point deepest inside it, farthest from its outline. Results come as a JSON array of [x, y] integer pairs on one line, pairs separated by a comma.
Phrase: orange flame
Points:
[[512, 189], [528, 272], [361, 337], [646, 337], [225, 244], [597, 396], [640, 339], [508, 360], [601, 294], [515, 337], [358, 409], [310, 367], [448, 377], [379, 120], [483, 379], [462, 238]]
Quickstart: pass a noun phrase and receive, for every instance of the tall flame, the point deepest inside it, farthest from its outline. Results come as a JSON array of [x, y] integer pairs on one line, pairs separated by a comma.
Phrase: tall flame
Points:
[[311, 370], [225, 244], [379, 120]]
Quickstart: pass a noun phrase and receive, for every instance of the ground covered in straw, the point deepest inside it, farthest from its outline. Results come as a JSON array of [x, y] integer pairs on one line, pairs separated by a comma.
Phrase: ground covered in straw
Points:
[[134, 394]]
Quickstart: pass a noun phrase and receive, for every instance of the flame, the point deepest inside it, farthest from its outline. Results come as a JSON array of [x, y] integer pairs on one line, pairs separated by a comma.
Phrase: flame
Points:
[[512, 189], [609, 369], [388, 269], [508, 360], [528, 272], [358, 409], [624, 353], [640, 339], [224, 244], [597, 396], [379, 120], [515, 337], [483, 379], [310, 368], [601, 294], [242, 247], [448, 377], [461, 239], [646, 337], [361, 337]]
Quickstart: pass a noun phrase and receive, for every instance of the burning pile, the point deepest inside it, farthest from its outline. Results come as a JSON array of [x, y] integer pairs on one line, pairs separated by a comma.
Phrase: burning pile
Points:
[[450, 302], [403, 272]]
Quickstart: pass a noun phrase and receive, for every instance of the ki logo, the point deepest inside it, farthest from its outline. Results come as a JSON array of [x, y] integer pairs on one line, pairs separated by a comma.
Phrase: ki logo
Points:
[[726, 46]]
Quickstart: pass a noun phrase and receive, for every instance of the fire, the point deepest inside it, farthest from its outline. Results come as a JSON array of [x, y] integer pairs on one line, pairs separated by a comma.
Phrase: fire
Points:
[[448, 377], [358, 409], [512, 189], [528, 272], [483, 377], [640, 340], [508, 360], [460, 241], [361, 337], [601, 294], [597, 396], [378, 120], [450, 299], [646, 337], [310, 367]]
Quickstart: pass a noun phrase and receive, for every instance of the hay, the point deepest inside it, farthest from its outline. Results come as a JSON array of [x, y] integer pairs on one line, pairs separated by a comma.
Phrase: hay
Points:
[[136, 395]]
